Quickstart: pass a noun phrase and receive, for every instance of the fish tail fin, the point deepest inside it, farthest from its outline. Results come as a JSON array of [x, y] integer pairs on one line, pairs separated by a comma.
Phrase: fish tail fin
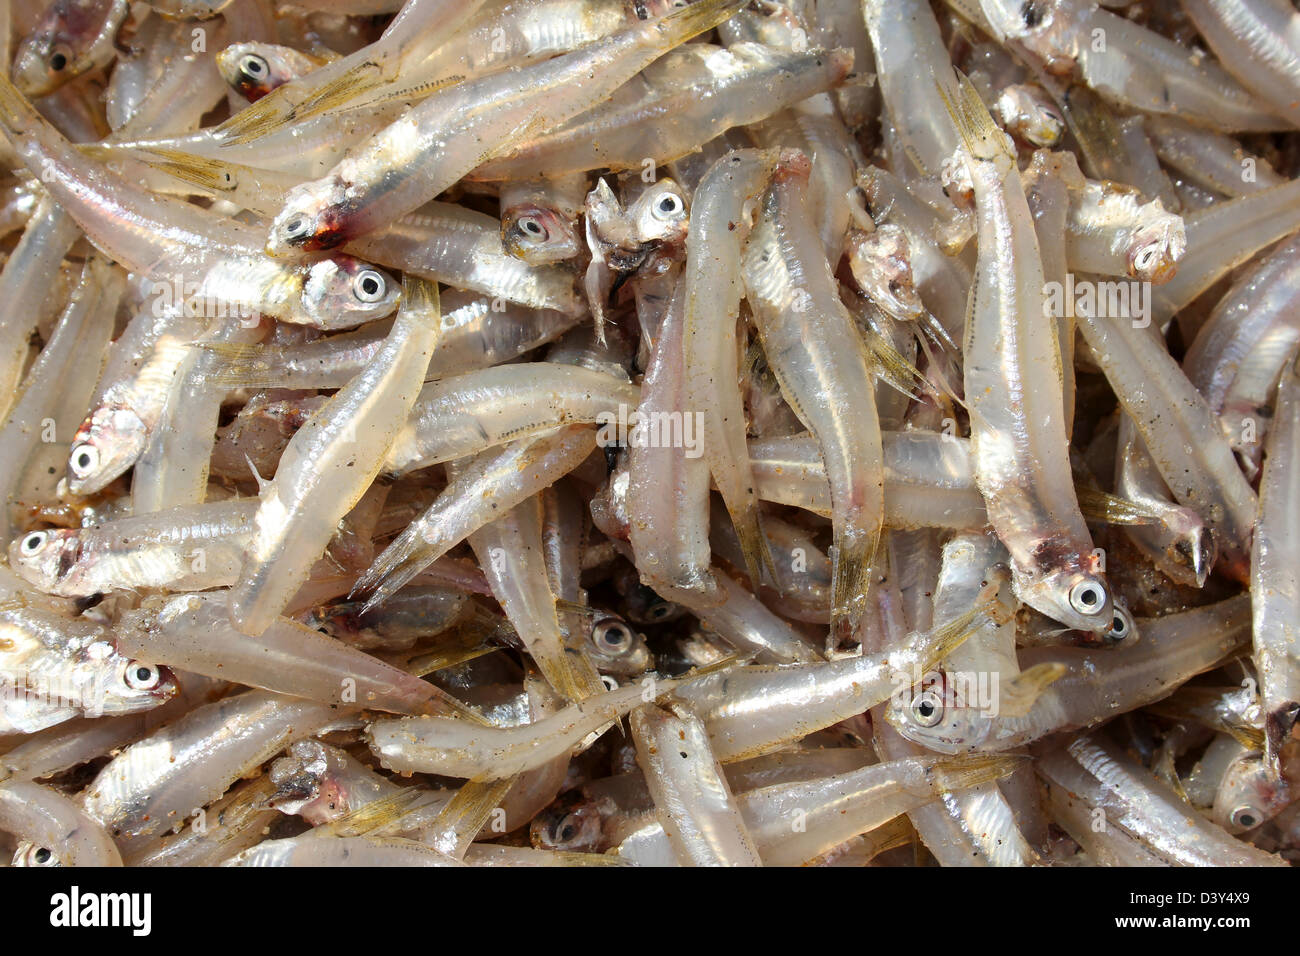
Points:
[[892, 366], [17, 115], [962, 773], [1100, 506], [240, 365], [753, 543], [420, 300], [407, 556], [1018, 695], [252, 121], [695, 19], [347, 86], [982, 137], [570, 673], [207, 174], [443, 704], [942, 641], [850, 583], [467, 813], [276, 110], [378, 816]]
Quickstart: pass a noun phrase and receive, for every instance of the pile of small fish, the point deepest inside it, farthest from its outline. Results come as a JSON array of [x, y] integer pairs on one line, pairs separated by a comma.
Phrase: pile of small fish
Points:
[[650, 432]]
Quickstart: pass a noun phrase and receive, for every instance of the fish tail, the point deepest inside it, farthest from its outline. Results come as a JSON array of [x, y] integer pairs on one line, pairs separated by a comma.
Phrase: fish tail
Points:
[[208, 174], [888, 836], [467, 813], [274, 111], [850, 583], [407, 556], [942, 641], [16, 114], [695, 19], [753, 543], [1112, 509], [252, 121], [420, 300], [240, 365], [1018, 695], [379, 815], [571, 674], [443, 704], [962, 773], [892, 365], [982, 137], [348, 86]]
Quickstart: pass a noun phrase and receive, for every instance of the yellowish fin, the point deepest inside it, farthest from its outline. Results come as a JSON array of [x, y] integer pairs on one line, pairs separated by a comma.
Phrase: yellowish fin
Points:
[[1111, 509], [1018, 695], [962, 773], [467, 813], [982, 137], [242, 365], [379, 816]]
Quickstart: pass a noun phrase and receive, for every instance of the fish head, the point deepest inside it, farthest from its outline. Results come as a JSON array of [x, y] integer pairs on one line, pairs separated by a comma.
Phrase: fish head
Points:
[[1048, 28], [616, 648], [137, 685], [342, 292], [45, 61], [1156, 247], [932, 715], [660, 214], [642, 605], [44, 558], [1028, 113], [654, 9], [1248, 795], [606, 222], [1194, 551], [300, 777], [1077, 597], [574, 827], [253, 69], [105, 446], [881, 265], [538, 233], [309, 221]]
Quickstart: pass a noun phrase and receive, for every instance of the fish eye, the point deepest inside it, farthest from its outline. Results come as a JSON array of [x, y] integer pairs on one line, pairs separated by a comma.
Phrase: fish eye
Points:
[[297, 228], [1147, 258], [660, 611], [254, 67], [369, 286], [33, 543], [84, 460], [1031, 14], [1088, 597], [59, 59], [612, 636], [1120, 626], [140, 676], [566, 828], [531, 226], [609, 682], [41, 856], [926, 708], [1246, 817], [667, 207]]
